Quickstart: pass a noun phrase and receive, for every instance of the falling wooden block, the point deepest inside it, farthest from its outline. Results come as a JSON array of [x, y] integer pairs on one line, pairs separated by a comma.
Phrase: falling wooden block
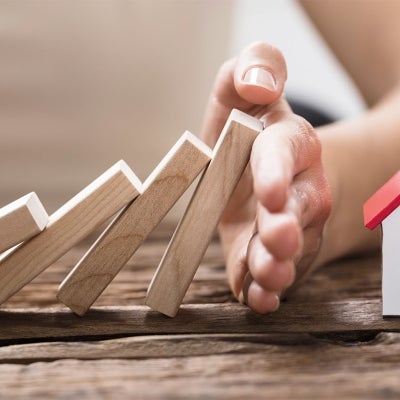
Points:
[[67, 226], [195, 230], [126, 233], [20, 220]]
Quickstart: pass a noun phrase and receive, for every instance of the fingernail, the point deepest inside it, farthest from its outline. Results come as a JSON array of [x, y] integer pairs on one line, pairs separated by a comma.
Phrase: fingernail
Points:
[[260, 77], [278, 303]]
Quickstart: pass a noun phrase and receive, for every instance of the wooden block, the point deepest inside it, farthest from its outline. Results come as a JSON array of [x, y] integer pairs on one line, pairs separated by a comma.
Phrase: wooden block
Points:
[[20, 220], [195, 230], [67, 226], [126, 233]]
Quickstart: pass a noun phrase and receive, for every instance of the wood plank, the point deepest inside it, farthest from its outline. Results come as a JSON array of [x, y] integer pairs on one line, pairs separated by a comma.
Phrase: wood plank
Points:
[[338, 316], [165, 185], [67, 226], [275, 346], [220, 377], [353, 279], [20, 220], [246, 370], [151, 346], [195, 230]]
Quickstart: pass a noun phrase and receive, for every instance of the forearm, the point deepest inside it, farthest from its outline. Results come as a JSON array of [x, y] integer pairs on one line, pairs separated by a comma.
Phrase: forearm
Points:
[[359, 155]]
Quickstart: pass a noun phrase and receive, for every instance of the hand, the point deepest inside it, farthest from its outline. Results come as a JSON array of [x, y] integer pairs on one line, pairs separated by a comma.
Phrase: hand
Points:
[[271, 230]]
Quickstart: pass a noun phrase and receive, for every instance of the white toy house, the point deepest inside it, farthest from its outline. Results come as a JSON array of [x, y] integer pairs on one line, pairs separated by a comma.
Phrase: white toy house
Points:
[[383, 208]]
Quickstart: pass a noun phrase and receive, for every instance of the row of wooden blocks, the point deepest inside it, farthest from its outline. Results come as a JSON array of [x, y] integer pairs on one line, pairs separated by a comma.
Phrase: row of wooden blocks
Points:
[[40, 240]]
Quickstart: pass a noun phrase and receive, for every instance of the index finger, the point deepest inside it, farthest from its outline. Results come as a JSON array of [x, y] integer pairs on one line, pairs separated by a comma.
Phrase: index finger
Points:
[[288, 146]]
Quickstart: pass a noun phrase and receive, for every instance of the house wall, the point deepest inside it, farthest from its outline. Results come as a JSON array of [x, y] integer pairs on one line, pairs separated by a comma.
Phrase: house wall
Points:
[[391, 264]]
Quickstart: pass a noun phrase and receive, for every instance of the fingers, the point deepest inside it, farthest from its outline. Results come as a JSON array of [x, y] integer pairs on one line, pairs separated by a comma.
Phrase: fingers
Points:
[[256, 77], [285, 238], [280, 234], [310, 197], [307, 207], [257, 298], [284, 149], [269, 272]]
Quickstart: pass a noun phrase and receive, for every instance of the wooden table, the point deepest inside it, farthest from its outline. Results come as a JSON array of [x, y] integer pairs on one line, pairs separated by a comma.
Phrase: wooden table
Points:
[[327, 340]]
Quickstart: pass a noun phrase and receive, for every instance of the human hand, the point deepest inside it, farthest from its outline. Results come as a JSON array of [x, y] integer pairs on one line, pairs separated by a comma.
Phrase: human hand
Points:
[[272, 228]]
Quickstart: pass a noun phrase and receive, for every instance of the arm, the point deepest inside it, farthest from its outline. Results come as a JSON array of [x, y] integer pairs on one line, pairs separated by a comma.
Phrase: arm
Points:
[[359, 155], [274, 227]]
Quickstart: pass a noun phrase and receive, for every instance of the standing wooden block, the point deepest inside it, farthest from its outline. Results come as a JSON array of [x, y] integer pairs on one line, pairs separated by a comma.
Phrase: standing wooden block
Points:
[[67, 226], [20, 220], [194, 232], [125, 234]]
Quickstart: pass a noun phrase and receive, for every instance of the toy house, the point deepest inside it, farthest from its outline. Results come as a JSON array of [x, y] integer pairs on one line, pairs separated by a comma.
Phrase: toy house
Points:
[[382, 208]]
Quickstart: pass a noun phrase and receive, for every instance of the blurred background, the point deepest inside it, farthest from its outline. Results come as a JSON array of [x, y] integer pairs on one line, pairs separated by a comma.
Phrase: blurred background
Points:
[[84, 84]]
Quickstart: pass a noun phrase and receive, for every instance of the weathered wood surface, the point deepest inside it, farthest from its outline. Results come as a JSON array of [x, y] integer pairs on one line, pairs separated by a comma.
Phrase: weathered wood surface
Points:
[[328, 340], [230, 366], [335, 317]]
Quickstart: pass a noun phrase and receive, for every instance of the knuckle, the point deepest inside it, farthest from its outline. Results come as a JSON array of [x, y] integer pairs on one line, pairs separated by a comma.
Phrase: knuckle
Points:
[[265, 48], [226, 67], [323, 198], [303, 126], [259, 273], [326, 199], [263, 233], [304, 139]]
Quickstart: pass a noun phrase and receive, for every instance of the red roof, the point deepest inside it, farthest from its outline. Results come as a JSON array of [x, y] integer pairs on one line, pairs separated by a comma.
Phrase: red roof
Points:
[[382, 202]]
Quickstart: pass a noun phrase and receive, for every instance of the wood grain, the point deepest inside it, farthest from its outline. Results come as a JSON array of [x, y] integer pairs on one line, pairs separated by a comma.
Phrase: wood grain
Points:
[[328, 340], [352, 279], [233, 367], [195, 230], [67, 226], [340, 316], [126, 233], [275, 346], [20, 220]]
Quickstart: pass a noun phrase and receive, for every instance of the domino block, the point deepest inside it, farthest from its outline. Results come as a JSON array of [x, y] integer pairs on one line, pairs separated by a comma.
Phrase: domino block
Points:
[[195, 230], [67, 226], [126, 233], [20, 220]]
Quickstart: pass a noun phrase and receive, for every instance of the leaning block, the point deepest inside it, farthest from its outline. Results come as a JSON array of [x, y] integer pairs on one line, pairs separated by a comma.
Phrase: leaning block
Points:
[[194, 232], [125, 234], [20, 220], [67, 226]]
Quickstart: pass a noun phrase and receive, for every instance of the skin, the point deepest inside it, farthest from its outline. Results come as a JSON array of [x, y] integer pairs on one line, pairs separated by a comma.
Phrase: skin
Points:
[[276, 229]]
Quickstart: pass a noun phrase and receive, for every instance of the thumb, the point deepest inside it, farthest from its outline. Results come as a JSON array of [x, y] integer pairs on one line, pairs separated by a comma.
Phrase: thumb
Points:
[[260, 74], [256, 77]]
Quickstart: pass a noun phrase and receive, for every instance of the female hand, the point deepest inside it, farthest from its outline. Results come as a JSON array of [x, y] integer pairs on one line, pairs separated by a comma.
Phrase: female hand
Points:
[[272, 228]]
